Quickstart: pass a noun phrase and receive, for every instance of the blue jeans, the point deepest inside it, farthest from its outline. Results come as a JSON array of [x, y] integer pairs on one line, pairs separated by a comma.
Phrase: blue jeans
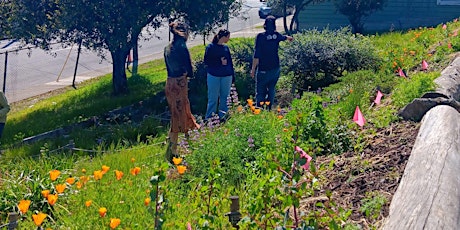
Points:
[[265, 86], [218, 91]]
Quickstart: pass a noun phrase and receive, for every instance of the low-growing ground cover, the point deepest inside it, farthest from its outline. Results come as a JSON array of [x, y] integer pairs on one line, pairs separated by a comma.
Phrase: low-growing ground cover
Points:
[[306, 165]]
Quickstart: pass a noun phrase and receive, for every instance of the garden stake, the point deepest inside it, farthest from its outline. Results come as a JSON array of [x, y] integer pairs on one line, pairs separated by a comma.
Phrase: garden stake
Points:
[[234, 215]]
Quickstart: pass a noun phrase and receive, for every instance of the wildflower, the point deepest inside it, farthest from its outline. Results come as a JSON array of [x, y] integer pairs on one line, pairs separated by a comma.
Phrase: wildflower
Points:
[[351, 90], [114, 222], [102, 211], [239, 108], [60, 188], [118, 174], [147, 201], [97, 174], [280, 116], [132, 159], [70, 180], [88, 203], [24, 206], [39, 218], [79, 185], [181, 169], [54, 174], [177, 160], [83, 170], [52, 198], [256, 111], [105, 169], [84, 179], [250, 142], [45, 193], [136, 170]]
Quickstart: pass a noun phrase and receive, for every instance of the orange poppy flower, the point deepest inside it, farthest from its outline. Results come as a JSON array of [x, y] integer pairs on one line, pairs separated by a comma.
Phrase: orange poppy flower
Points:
[[136, 170], [250, 102], [45, 193], [83, 170], [114, 222], [88, 203], [39, 218], [70, 180], [54, 174], [60, 188], [181, 169], [84, 179], [118, 174], [256, 111], [177, 160], [79, 185], [97, 174], [24, 206], [105, 169], [239, 108], [102, 211], [52, 198], [147, 201]]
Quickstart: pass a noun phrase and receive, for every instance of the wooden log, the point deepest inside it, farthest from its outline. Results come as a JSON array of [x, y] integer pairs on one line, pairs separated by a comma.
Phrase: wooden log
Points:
[[428, 196]]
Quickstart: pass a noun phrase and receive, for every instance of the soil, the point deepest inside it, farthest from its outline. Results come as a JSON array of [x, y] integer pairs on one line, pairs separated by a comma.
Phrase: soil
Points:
[[378, 168]]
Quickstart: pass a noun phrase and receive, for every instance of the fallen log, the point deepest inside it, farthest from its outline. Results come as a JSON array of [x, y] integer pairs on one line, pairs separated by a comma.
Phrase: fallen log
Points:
[[428, 196]]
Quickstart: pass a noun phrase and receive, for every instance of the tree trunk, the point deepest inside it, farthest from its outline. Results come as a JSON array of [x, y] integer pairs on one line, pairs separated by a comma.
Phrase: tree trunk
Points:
[[135, 57], [119, 80]]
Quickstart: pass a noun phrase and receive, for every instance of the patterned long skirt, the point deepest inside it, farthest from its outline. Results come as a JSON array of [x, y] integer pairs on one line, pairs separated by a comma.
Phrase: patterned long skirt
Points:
[[176, 91]]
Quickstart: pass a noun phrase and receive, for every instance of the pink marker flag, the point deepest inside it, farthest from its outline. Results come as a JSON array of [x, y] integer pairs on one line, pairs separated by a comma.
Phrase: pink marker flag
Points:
[[444, 26], [358, 118], [401, 73], [189, 226], [303, 154], [449, 45], [378, 97], [424, 65]]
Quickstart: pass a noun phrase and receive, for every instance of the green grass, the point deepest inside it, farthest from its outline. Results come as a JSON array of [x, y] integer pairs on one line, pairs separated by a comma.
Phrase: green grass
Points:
[[246, 156]]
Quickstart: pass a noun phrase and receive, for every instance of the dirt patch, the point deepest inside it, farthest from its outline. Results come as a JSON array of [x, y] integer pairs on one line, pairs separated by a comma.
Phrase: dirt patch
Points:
[[378, 169]]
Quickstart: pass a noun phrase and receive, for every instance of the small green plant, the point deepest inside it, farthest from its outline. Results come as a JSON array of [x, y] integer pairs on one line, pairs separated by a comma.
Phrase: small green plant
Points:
[[372, 205]]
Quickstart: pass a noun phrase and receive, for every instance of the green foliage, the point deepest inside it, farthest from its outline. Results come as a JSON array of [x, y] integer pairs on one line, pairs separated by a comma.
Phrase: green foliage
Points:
[[319, 58], [372, 205], [413, 87]]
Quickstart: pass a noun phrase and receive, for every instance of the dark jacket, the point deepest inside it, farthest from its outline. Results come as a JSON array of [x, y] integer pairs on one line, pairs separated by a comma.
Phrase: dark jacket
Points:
[[266, 50], [212, 59], [177, 59]]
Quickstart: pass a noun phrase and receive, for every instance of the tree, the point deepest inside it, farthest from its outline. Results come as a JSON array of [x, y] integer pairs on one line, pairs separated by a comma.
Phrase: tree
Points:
[[105, 25], [356, 10]]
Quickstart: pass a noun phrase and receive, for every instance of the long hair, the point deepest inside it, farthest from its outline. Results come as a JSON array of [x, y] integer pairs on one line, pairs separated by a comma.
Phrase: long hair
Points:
[[219, 35]]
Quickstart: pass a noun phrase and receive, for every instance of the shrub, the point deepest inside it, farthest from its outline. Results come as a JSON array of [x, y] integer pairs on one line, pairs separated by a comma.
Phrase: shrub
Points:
[[319, 58]]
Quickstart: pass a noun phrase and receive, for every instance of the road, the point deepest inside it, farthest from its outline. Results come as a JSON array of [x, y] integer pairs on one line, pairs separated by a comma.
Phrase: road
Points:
[[34, 72]]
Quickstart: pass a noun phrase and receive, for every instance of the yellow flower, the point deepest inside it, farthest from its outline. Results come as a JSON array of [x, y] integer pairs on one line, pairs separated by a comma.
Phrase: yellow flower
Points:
[[136, 170], [132, 159], [24, 206], [97, 174], [45, 193], [60, 188], [39, 218], [147, 201], [88, 203], [114, 222], [83, 170], [105, 169], [102, 211], [181, 169], [70, 180], [54, 174], [52, 198], [118, 174], [177, 160]]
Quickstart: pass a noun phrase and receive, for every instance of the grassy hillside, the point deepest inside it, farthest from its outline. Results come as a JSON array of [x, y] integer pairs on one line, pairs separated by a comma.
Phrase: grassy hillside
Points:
[[112, 172]]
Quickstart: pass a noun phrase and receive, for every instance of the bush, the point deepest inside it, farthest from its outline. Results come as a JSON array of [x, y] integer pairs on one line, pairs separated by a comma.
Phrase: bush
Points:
[[318, 58]]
